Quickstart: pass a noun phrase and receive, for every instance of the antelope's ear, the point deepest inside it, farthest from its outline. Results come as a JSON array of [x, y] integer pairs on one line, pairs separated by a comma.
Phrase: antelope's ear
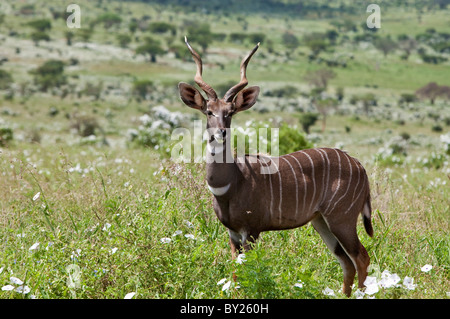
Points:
[[191, 96], [245, 99]]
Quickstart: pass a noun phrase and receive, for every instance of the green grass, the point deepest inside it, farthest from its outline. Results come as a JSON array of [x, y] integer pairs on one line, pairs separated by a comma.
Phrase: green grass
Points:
[[107, 211], [141, 204]]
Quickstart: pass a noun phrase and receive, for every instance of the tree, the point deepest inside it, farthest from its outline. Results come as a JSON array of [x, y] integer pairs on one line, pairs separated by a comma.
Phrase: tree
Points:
[[151, 47], [429, 91], [69, 36], [124, 40], [49, 74], [5, 80], [316, 42], [385, 45], [201, 34], [324, 106], [40, 24], [141, 89], [85, 33], [444, 91], [290, 41], [332, 36], [39, 36], [407, 45], [109, 19], [162, 27], [367, 100], [320, 78], [307, 120]]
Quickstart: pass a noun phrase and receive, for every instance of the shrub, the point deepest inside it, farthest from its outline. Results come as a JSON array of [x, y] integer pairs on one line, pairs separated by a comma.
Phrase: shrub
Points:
[[6, 136], [290, 139], [287, 91], [256, 276], [40, 24], [141, 89], [155, 129], [393, 152], [162, 27], [5, 80], [49, 74], [307, 120], [445, 140]]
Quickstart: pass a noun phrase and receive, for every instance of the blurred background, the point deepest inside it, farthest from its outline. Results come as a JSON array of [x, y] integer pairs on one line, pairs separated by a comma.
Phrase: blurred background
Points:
[[321, 70]]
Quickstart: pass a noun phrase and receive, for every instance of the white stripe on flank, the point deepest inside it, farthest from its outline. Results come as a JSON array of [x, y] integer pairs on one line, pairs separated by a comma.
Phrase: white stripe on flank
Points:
[[359, 179], [219, 191], [349, 182], [323, 175], [353, 203], [325, 191], [304, 181], [313, 178], [339, 182], [270, 184], [296, 186], [281, 190]]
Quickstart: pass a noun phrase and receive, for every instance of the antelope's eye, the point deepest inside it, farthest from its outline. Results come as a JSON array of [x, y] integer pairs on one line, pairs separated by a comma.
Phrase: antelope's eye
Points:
[[230, 114], [209, 113]]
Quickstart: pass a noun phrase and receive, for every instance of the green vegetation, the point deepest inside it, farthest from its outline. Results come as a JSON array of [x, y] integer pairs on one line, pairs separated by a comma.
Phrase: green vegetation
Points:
[[86, 180]]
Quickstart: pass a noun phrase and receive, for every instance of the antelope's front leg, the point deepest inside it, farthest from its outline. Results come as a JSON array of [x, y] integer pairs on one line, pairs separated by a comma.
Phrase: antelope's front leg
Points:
[[241, 242], [235, 243]]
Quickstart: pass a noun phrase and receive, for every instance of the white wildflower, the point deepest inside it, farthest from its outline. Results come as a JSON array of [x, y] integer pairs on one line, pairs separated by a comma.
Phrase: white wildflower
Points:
[[328, 292], [240, 258], [129, 295], [107, 226], [190, 236], [165, 240], [36, 197], [389, 280], [176, 233], [426, 268], [371, 285], [188, 224], [113, 251], [299, 284], [221, 281], [35, 246], [227, 285], [15, 280], [359, 294], [23, 289], [408, 283], [8, 288]]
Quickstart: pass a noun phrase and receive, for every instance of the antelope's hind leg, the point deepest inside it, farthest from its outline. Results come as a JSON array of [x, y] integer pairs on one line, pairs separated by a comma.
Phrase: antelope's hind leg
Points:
[[335, 247], [348, 238]]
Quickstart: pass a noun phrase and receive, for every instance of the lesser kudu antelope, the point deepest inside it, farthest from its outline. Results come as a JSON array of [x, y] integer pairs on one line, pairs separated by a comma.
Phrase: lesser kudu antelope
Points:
[[324, 186]]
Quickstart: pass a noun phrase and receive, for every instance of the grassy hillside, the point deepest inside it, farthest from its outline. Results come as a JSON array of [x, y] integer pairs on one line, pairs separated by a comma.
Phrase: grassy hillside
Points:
[[88, 185]]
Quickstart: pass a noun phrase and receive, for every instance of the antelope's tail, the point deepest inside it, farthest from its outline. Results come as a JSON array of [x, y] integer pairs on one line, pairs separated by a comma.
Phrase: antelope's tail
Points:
[[367, 216]]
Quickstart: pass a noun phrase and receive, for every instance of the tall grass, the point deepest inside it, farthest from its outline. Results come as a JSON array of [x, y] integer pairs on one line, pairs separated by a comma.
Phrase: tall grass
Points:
[[131, 227]]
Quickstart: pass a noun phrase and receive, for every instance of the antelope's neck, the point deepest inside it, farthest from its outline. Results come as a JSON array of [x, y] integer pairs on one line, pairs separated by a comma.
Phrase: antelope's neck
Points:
[[221, 169]]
